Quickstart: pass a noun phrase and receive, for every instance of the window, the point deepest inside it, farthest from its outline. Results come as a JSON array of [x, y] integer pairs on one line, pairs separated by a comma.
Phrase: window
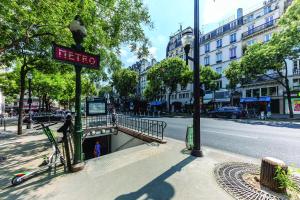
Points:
[[295, 64], [219, 43], [233, 24], [233, 38], [206, 60], [219, 84], [187, 95], [256, 93], [269, 20], [267, 37], [232, 52], [272, 91], [183, 87], [267, 9], [250, 42], [264, 92], [250, 18], [219, 70], [207, 47], [219, 57], [251, 29]]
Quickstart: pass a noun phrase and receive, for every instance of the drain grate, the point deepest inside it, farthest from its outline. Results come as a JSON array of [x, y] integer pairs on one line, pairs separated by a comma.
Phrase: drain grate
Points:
[[229, 176]]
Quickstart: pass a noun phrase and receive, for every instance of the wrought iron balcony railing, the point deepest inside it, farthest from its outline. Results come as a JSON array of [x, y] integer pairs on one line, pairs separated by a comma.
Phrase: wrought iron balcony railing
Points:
[[259, 28]]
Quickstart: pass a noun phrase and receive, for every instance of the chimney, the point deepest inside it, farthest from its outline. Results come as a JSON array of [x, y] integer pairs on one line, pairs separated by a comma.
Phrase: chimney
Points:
[[239, 13]]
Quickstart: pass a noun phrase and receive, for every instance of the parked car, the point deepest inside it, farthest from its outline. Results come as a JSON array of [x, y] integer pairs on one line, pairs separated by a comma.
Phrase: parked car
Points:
[[46, 117], [228, 112]]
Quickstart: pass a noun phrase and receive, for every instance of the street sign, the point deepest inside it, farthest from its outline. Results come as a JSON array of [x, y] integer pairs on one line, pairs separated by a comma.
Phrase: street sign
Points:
[[71, 56]]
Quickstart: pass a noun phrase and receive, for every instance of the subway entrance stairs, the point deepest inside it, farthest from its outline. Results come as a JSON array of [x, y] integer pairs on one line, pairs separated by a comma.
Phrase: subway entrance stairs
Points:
[[144, 129]]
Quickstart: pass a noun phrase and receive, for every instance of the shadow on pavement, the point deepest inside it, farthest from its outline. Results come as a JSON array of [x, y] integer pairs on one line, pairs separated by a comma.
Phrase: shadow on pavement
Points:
[[158, 188], [22, 155]]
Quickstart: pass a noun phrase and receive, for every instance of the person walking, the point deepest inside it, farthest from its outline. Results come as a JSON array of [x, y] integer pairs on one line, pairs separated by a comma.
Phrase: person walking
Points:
[[113, 117], [97, 149]]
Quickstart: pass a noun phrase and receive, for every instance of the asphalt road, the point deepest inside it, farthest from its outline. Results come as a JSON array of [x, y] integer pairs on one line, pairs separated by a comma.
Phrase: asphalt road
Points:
[[252, 138]]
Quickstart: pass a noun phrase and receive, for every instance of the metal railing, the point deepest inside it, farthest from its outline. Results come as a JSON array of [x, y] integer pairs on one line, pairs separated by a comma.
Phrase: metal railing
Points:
[[259, 28], [296, 72], [148, 127]]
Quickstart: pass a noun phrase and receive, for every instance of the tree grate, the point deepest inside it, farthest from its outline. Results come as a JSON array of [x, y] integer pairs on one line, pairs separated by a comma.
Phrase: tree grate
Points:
[[230, 177]]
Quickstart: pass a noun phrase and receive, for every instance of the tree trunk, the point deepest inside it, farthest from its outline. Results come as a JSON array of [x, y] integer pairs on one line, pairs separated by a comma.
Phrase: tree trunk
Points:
[[268, 173], [288, 93], [43, 103], [21, 100], [169, 103], [40, 101]]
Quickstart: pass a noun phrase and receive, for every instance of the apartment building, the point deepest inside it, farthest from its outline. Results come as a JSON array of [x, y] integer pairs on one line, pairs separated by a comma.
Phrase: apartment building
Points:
[[228, 42], [218, 49], [142, 67], [183, 96]]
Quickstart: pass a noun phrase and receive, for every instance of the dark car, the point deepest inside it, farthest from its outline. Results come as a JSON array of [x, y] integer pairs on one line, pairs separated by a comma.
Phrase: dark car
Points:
[[44, 117], [228, 112]]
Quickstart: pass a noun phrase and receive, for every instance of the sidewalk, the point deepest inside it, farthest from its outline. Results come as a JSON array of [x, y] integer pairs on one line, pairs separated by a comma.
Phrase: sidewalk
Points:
[[150, 171]]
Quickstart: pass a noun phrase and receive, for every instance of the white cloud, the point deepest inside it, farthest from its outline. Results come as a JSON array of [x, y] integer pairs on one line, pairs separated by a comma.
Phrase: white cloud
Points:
[[153, 52], [219, 10], [131, 60], [123, 53]]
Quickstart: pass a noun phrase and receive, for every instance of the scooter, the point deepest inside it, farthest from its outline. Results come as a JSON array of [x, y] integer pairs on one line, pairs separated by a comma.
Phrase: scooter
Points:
[[55, 159]]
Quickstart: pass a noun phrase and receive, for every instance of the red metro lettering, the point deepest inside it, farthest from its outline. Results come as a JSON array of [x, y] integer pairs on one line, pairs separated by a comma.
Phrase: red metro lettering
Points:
[[71, 56]]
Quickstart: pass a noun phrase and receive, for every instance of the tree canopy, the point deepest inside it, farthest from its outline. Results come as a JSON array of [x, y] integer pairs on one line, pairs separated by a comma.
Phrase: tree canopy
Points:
[[29, 27], [125, 82]]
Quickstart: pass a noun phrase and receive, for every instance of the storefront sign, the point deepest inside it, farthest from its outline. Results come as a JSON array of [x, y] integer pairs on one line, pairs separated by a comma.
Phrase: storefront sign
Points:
[[71, 56], [295, 106]]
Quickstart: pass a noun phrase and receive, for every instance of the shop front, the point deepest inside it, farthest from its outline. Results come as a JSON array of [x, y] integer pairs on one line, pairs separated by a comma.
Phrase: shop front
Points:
[[255, 105], [295, 103]]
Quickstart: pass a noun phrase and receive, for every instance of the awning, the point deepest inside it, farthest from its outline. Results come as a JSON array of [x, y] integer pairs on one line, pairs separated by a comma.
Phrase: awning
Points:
[[206, 101], [221, 100], [253, 99], [155, 103]]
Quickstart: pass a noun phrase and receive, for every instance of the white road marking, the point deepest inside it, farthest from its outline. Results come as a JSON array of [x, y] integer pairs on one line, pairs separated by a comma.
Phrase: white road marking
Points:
[[243, 136]]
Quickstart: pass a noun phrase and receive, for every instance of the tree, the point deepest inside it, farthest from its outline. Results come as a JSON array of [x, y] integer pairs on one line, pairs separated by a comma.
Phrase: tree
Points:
[[209, 78], [125, 82], [27, 32], [169, 73], [234, 74]]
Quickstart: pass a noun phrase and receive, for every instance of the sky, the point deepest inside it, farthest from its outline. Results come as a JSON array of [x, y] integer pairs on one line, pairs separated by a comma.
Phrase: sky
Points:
[[167, 15]]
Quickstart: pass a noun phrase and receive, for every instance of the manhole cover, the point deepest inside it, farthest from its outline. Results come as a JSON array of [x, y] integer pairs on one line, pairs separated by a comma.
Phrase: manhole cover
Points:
[[230, 178]]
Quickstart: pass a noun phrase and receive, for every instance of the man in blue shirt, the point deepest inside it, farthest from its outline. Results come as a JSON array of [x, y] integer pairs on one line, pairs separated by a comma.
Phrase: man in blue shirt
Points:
[[97, 150]]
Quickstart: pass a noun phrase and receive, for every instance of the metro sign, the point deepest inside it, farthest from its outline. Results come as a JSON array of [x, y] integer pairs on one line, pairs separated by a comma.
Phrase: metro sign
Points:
[[71, 56]]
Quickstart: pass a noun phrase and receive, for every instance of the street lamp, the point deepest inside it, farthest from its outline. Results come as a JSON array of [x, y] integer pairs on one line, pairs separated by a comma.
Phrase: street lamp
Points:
[[186, 42], [79, 33], [29, 101]]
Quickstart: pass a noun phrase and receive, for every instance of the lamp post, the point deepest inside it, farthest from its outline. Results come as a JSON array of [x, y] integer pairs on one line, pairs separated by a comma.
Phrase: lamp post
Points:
[[187, 39], [78, 32], [29, 76]]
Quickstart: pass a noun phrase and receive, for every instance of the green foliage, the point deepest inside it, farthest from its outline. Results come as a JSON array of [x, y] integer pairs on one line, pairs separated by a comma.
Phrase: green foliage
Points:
[[209, 78], [168, 73], [105, 90], [125, 82], [285, 180], [234, 73]]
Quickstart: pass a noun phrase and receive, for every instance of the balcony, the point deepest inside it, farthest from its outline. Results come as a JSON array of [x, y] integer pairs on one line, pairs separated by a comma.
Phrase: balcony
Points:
[[296, 72], [260, 28]]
